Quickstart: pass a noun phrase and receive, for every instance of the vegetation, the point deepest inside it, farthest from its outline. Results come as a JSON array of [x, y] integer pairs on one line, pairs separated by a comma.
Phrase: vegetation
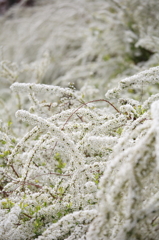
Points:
[[79, 117]]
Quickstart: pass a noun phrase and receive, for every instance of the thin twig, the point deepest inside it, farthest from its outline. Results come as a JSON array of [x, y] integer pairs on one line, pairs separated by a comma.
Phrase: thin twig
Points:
[[11, 165], [27, 215], [79, 117], [85, 104]]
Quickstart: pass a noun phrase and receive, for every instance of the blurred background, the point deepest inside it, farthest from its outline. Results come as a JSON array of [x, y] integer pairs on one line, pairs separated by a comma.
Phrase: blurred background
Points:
[[89, 44]]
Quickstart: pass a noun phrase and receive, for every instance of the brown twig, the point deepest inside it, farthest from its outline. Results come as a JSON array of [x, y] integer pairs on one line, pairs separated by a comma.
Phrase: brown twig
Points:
[[27, 215], [85, 104], [79, 117], [11, 165]]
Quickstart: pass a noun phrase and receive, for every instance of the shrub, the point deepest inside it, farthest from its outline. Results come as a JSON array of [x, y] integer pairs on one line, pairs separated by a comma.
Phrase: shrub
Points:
[[79, 160]]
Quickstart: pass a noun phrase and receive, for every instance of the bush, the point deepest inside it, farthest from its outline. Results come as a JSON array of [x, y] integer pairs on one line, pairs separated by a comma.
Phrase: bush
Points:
[[79, 160]]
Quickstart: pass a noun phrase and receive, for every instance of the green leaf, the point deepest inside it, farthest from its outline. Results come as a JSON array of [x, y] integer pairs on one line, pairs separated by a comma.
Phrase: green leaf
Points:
[[3, 142], [6, 153]]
